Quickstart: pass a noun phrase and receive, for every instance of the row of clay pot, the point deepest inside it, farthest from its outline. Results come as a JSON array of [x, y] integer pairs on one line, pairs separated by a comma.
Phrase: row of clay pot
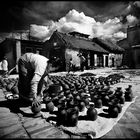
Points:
[[10, 84], [77, 82]]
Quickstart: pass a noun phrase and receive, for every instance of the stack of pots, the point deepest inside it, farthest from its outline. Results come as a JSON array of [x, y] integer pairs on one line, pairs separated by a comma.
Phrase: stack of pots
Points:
[[128, 93], [114, 108], [105, 98], [52, 99], [120, 95], [67, 116]]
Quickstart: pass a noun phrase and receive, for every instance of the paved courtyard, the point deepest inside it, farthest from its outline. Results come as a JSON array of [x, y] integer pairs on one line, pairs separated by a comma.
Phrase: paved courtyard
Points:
[[17, 125]]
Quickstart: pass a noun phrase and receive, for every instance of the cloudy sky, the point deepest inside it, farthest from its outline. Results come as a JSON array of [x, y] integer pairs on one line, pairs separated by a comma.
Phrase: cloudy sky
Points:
[[105, 19]]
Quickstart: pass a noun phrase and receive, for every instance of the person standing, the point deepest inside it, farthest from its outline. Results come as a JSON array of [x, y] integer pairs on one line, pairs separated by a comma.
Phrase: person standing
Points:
[[4, 66], [82, 61], [70, 65]]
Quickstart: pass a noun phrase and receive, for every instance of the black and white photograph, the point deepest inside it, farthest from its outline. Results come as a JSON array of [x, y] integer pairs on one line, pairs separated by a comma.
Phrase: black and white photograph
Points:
[[69, 69]]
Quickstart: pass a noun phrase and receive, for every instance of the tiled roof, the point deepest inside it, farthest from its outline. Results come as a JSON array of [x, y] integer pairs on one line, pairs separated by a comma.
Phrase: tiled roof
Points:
[[80, 43], [108, 45]]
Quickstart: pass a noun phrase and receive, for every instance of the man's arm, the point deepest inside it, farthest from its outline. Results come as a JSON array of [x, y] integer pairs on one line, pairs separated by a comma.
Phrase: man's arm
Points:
[[34, 84]]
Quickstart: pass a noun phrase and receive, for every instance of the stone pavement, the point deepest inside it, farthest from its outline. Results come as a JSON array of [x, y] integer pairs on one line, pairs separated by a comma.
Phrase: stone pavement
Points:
[[16, 125]]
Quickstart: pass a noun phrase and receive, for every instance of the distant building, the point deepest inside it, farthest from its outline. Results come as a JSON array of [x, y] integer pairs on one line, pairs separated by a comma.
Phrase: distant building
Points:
[[98, 53], [115, 56], [14, 48], [131, 44], [66, 46]]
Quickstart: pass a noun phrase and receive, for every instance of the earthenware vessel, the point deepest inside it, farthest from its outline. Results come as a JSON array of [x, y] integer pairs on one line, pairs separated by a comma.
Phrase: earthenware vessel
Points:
[[128, 93], [92, 113], [98, 103], [114, 109], [36, 108], [72, 117], [49, 105], [62, 116], [81, 106]]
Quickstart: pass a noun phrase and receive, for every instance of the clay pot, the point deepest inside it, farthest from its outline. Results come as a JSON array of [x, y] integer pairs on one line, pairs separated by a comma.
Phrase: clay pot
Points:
[[86, 101], [76, 109], [73, 120], [119, 107], [113, 111], [128, 93], [54, 89], [94, 97], [74, 93], [62, 116], [105, 100], [81, 106], [122, 100], [36, 109], [98, 103], [119, 92], [91, 113], [66, 87], [69, 96], [49, 106], [46, 99], [15, 90], [66, 92], [128, 97], [55, 100], [70, 103], [72, 117], [129, 88], [77, 98]]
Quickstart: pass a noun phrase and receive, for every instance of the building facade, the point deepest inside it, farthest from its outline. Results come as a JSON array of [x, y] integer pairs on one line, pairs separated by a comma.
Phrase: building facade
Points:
[[131, 44], [115, 57], [14, 48], [66, 46]]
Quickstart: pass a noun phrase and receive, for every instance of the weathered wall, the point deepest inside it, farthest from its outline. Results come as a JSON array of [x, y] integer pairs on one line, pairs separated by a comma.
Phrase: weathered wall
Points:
[[133, 35], [136, 56]]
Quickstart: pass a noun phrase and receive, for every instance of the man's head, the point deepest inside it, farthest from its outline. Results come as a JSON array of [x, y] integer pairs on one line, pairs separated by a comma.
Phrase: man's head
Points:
[[4, 58], [52, 64]]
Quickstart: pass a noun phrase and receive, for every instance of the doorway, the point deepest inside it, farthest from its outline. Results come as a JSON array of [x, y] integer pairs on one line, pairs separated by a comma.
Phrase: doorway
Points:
[[113, 61], [106, 61]]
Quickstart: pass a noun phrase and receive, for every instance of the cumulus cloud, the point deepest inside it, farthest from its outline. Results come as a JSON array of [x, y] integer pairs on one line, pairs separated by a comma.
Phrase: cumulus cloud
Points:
[[119, 35], [107, 29], [78, 21], [40, 32], [75, 21], [133, 13], [132, 19]]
